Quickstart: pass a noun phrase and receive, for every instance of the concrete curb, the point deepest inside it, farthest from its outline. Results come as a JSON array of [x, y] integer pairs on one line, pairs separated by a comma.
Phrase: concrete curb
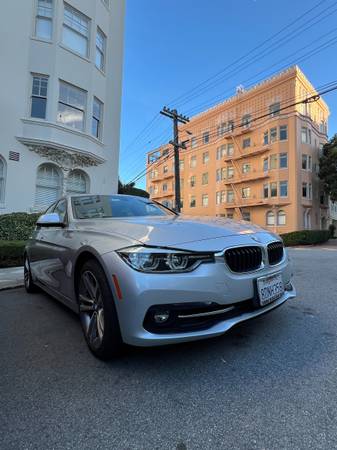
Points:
[[11, 278]]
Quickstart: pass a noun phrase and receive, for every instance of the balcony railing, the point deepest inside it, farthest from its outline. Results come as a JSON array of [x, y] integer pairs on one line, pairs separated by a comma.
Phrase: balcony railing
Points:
[[243, 178], [247, 153]]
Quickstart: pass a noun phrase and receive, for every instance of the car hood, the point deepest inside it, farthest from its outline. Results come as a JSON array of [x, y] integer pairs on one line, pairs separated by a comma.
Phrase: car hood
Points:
[[184, 232]]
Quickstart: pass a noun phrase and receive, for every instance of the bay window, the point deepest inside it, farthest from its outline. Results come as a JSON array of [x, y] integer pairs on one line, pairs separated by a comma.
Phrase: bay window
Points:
[[76, 31], [71, 106]]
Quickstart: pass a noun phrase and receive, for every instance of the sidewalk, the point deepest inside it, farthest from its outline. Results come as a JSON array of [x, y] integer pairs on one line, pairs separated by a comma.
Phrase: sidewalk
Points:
[[11, 278]]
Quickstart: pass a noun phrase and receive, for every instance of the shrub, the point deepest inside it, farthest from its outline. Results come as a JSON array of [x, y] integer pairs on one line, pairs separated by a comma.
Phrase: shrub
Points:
[[305, 237], [17, 226], [11, 253]]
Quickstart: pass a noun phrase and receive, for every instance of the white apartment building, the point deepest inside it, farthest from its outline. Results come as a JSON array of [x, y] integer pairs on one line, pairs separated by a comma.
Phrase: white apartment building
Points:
[[60, 99]]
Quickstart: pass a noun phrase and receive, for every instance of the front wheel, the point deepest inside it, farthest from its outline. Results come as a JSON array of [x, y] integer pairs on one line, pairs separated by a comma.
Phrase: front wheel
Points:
[[98, 313]]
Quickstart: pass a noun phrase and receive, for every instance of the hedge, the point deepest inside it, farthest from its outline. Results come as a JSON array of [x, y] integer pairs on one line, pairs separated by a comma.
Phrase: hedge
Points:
[[11, 253], [17, 226], [306, 237]]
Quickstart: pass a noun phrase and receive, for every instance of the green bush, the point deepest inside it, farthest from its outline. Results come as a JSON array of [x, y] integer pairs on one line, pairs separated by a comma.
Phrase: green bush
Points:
[[305, 237], [17, 226], [11, 253]]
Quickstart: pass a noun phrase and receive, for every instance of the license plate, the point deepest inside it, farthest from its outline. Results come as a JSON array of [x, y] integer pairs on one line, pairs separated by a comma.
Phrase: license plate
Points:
[[270, 288]]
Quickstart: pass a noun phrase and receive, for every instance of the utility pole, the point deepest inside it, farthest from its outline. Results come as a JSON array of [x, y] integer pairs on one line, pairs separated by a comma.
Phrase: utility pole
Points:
[[177, 118]]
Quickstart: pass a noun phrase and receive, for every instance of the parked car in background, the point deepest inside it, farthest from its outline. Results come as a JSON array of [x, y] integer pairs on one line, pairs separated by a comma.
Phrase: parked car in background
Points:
[[138, 273]]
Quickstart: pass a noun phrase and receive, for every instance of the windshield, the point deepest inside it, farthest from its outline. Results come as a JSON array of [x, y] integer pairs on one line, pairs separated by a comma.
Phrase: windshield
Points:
[[103, 206]]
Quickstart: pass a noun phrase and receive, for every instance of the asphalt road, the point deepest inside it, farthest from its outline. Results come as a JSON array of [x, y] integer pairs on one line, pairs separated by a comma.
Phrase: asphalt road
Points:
[[268, 384]]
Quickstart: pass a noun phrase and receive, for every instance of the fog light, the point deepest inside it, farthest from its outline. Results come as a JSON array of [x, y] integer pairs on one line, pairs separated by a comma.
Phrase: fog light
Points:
[[288, 286], [161, 316]]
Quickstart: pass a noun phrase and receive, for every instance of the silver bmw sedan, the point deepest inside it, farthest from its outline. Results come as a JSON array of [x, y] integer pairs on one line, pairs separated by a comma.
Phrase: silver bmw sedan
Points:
[[138, 273]]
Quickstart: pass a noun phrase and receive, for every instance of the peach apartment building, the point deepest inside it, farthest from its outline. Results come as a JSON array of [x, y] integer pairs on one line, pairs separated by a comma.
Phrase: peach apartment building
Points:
[[249, 158]]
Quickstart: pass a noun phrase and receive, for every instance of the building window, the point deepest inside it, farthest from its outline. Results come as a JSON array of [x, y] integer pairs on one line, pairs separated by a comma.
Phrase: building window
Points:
[[305, 135], [218, 198], [246, 216], [246, 168], [71, 106], [193, 181], [245, 192], [305, 190], [205, 200], [165, 187], [266, 138], [304, 162], [270, 218], [265, 165], [283, 132], [44, 19], [246, 121], [273, 189], [274, 109], [193, 162], [310, 191], [193, 202], [165, 169], [181, 164], [230, 149], [230, 196], [221, 129], [205, 137], [223, 196], [220, 152], [230, 172], [283, 188], [230, 126], [283, 160], [194, 142], [76, 31], [97, 114], [39, 96], [265, 190], [273, 134], [205, 157], [204, 178], [281, 218], [77, 182], [246, 143], [48, 185], [2, 179], [100, 49], [273, 162], [165, 152]]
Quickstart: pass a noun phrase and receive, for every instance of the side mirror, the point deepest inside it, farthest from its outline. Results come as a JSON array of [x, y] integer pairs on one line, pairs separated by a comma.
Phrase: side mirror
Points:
[[50, 220]]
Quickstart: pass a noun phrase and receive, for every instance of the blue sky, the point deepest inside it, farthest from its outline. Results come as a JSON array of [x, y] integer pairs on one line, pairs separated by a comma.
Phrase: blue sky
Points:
[[172, 46]]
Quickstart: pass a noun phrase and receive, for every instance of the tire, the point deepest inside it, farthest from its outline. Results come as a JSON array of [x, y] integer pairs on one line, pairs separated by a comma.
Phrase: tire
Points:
[[98, 312], [30, 286]]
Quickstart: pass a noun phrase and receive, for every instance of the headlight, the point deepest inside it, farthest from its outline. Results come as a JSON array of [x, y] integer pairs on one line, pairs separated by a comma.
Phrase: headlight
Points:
[[159, 260]]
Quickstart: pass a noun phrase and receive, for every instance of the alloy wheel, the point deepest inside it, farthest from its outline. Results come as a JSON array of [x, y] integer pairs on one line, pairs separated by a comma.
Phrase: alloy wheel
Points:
[[91, 309]]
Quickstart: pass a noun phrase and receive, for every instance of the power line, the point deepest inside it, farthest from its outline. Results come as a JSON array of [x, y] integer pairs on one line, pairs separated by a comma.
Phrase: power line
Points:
[[229, 66], [302, 58]]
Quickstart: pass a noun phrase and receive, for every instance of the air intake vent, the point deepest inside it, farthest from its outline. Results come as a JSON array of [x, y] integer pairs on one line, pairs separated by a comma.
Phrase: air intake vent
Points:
[[244, 259], [275, 252]]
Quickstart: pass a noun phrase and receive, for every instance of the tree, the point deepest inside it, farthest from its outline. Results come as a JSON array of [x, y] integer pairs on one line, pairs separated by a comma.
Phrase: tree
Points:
[[130, 189], [328, 168]]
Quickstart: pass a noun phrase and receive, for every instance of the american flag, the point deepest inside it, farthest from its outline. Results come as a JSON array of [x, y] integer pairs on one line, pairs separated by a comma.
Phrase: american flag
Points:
[[14, 156]]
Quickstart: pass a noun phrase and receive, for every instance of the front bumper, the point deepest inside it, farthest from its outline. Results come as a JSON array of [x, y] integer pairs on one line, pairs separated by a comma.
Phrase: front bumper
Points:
[[208, 283]]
